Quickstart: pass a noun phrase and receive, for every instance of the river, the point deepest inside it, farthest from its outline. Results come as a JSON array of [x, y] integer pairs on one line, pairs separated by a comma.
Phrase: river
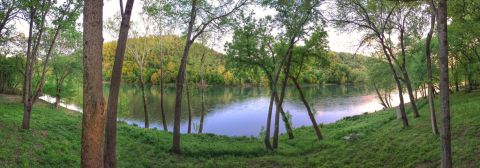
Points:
[[239, 111]]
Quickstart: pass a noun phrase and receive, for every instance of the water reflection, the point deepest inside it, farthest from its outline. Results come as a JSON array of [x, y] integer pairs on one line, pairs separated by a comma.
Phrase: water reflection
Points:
[[238, 111], [243, 110]]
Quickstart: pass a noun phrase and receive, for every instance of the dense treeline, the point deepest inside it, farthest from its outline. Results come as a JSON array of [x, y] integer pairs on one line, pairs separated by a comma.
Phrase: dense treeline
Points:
[[344, 67]]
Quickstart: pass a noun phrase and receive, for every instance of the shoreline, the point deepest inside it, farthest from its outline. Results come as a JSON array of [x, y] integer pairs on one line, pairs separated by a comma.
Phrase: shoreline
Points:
[[197, 84]]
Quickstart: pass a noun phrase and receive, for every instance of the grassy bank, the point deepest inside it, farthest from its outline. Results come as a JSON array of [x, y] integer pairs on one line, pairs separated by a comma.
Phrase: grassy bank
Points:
[[54, 141]]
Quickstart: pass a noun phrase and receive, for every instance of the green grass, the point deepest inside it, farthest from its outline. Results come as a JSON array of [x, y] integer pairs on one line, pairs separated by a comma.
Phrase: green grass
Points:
[[384, 143]]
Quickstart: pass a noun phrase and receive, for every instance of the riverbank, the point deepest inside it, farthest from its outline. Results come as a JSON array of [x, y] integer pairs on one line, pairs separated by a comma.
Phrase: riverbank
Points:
[[54, 141]]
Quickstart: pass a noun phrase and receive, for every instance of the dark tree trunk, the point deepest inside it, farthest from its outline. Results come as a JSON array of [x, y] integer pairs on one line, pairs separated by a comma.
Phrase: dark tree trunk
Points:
[[189, 107], [445, 134], [410, 94], [280, 102], [110, 155], [310, 113], [180, 80], [407, 79], [94, 106], [380, 96], [269, 122], [57, 98], [456, 84], [200, 130], [430, 76], [39, 89], [397, 81], [268, 145], [285, 120], [145, 107], [161, 85]]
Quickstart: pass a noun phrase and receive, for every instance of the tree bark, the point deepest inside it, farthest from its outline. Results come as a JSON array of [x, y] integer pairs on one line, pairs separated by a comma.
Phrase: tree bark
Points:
[[430, 76], [407, 79], [268, 145], [280, 102], [200, 130], [380, 96], [39, 89], [94, 105], [189, 107], [445, 134], [180, 79], [57, 98], [310, 113], [285, 120], [399, 86], [145, 107], [161, 85], [110, 155]]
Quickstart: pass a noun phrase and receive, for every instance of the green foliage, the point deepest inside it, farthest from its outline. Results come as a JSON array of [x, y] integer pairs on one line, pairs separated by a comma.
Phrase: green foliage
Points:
[[289, 117], [10, 77], [196, 127], [262, 133], [122, 106]]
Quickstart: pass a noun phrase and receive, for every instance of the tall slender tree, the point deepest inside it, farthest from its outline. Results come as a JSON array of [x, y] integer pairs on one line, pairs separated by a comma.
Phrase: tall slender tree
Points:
[[211, 16], [110, 154], [139, 47], [429, 71], [67, 15], [375, 18], [252, 50], [297, 18], [445, 133], [94, 105]]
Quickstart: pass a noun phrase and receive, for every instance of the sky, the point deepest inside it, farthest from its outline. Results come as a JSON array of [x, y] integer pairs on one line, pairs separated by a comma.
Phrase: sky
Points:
[[338, 42]]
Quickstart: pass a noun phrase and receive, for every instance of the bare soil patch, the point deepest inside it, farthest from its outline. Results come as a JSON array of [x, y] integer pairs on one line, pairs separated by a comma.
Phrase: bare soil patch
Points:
[[422, 165]]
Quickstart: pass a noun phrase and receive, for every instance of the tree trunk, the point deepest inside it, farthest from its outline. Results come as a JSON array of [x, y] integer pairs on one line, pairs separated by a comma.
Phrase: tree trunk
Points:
[[280, 102], [145, 107], [161, 85], [110, 156], [310, 113], [200, 130], [270, 108], [269, 122], [57, 98], [27, 111], [430, 76], [399, 86], [406, 78], [189, 107], [445, 134], [456, 84], [380, 96], [94, 105], [180, 80], [285, 120], [410, 94]]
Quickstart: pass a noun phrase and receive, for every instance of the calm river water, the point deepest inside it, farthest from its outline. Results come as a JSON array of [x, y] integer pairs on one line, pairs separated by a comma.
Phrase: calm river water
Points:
[[238, 111]]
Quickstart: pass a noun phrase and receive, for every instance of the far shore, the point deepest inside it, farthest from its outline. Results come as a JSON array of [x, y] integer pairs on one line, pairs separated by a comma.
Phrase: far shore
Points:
[[198, 84]]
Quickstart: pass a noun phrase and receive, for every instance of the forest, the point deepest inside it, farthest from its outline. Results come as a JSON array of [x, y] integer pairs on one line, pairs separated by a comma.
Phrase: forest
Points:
[[418, 59]]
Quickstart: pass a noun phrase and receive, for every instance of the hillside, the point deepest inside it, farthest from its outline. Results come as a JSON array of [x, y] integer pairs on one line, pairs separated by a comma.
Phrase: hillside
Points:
[[344, 68]]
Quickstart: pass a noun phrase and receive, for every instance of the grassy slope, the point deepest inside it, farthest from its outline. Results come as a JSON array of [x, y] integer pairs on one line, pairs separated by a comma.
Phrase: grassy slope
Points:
[[54, 141]]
